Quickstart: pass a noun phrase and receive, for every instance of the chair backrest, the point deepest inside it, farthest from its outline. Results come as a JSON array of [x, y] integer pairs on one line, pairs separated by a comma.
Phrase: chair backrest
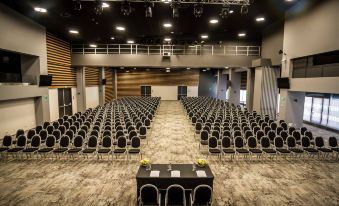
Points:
[[284, 135], [147, 122], [38, 129], [291, 130], [132, 134], [279, 130], [215, 134], [82, 133], [212, 142], [204, 135], [92, 142], [43, 134], [265, 142], [278, 142], [21, 141], [319, 142], [95, 133], [303, 130], [30, 133], [284, 125], [45, 125], [291, 142], [50, 141], [78, 141], [122, 142], [149, 195], [297, 135], [309, 134], [305, 141], [62, 129], [252, 142], [107, 142], [332, 142], [106, 133], [237, 133], [239, 142], [64, 141], [202, 195], [7, 141], [226, 142], [175, 195], [36, 141], [19, 133], [119, 133], [50, 129], [273, 126], [260, 134], [135, 142], [271, 135], [142, 130], [198, 126]]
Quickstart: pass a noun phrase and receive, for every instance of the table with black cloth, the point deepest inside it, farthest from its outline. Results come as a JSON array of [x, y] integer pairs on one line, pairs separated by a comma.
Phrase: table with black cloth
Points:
[[188, 178]]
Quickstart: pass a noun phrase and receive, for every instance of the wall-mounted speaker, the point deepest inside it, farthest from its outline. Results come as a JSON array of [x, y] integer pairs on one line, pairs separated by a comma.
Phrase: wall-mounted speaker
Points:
[[104, 82], [45, 80]]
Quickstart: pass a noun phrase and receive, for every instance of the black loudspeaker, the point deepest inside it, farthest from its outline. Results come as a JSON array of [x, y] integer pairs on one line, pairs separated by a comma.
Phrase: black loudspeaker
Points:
[[104, 82], [45, 80]]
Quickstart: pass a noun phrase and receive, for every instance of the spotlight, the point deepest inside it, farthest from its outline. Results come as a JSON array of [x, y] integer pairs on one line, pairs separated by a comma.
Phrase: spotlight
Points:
[[198, 10], [244, 9], [225, 11], [77, 5], [126, 8], [98, 7], [148, 11]]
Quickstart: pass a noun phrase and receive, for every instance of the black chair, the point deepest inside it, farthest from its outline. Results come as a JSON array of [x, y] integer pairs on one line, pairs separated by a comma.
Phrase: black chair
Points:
[[297, 136], [147, 123], [38, 129], [20, 145], [70, 134], [142, 132], [198, 128], [215, 134], [50, 129], [226, 146], [105, 147], [6, 144], [333, 144], [201, 195], [78, 143], [49, 146], [204, 135], [149, 195], [30, 135], [95, 133], [320, 144], [271, 135], [63, 146], [121, 146], [279, 146], [175, 195], [273, 126], [46, 124], [260, 134], [213, 148], [279, 130], [134, 148], [92, 145], [284, 125], [237, 133], [266, 146], [284, 135], [62, 129], [35, 145], [292, 146], [253, 146], [56, 124], [291, 130], [306, 144], [240, 146], [82, 133], [303, 130]]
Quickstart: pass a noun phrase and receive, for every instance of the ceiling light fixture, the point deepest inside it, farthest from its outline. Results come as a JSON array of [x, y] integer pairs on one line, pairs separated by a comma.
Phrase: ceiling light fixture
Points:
[[166, 1], [260, 19], [167, 25], [167, 39], [130, 42], [104, 5], [112, 38], [93, 45], [231, 11], [214, 21], [188, 68], [204, 70], [72, 31], [120, 28], [241, 34], [204, 36], [41, 10], [198, 10]]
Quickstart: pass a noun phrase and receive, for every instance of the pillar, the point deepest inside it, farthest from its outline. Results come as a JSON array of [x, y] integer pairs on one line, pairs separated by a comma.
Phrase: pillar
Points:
[[81, 89], [101, 86], [234, 90], [250, 88]]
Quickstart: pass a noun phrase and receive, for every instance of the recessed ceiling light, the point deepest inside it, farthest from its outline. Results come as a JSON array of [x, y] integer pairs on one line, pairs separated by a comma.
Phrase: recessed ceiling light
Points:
[[241, 34], [167, 25], [41, 10], [260, 19], [204, 70], [214, 21], [167, 39], [112, 38], [188, 68], [93, 45], [168, 71], [231, 12], [172, 32], [134, 68], [130, 42], [120, 28], [166, 1], [104, 5], [204, 36], [168, 68], [72, 31], [127, 71], [226, 67], [289, 0]]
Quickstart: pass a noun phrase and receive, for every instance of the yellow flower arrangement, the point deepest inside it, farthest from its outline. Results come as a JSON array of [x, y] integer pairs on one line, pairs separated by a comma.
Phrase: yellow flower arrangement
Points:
[[144, 162], [201, 162]]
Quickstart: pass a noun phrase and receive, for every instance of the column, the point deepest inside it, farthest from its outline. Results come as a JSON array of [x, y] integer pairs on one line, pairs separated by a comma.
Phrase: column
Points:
[[81, 89], [101, 86], [250, 88], [234, 90]]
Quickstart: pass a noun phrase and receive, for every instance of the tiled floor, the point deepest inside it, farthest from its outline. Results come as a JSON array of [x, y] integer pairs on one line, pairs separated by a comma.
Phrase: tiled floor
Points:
[[107, 182]]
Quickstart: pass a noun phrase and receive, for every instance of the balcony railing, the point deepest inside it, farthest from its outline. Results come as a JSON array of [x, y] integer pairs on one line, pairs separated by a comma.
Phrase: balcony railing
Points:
[[139, 49]]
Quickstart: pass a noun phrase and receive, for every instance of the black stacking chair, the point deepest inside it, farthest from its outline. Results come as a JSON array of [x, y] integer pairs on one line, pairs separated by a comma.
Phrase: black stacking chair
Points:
[[73, 129], [279, 146], [256, 129], [297, 136], [306, 145], [284, 135], [121, 147], [227, 133], [279, 130], [131, 134], [96, 128], [6, 144], [142, 132], [198, 128], [271, 135], [215, 134], [78, 143], [204, 135], [273, 126], [213, 148], [38, 129], [70, 134], [291, 130], [20, 145], [253, 146], [50, 129], [147, 123], [333, 144], [56, 124], [66, 125], [175, 195], [309, 134], [201, 195], [303, 130], [91, 148], [63, 146], [30, 135], [226, 146], [34, 146], [149, 195], [266, 146], [43, 135], [46, 124], [292, 146], [240, 146], [82, 133], [284, 125], [260, 134], [134, 148], [320, 144], [95, 133], [237, 133], [105, 147], [49, 146], [62, 129]]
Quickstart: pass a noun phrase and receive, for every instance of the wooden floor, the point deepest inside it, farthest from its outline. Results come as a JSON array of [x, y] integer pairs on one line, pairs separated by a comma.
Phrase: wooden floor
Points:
[[106, 182]]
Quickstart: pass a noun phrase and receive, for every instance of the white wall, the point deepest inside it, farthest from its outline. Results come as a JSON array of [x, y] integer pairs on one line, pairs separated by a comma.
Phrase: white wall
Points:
[[192, 91], [53, 104], [74, 100], [165, 92], [257, 89], [16, 114], [319, 85], [271, 44], [92, 97]]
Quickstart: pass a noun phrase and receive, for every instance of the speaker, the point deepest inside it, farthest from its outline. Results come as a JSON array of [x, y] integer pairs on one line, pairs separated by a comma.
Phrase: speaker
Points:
[[45, 80], [103, 81]]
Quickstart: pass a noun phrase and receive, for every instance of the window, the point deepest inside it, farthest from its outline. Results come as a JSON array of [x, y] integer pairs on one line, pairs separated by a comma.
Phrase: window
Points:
[[243, 96]]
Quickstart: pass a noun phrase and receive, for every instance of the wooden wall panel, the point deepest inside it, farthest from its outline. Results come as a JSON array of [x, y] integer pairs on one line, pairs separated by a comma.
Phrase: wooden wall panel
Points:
[[92, 76], [109, 85], [128, 84], [59, 62]]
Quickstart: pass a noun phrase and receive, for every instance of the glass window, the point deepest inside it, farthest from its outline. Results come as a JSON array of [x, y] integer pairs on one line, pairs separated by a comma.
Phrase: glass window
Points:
[[316, 110], [307, 109], [243, 96], [333, 115], [324, 116]]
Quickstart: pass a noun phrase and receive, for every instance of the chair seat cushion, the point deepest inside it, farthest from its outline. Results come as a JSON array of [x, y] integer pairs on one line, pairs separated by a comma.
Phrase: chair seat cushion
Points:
[[16, 149], [203, 142], [256, 151], [2, 149], [74, 150], [30, 149], [271, 151], [142, 136], [88, 150], [312, 150], [60, 150], [335, 149], [296, 150], [119, 151], [44, 150], [228, 151], [282, 150], [214, 150], [134, 151], [324, 149], [242, 151], [104, 151]]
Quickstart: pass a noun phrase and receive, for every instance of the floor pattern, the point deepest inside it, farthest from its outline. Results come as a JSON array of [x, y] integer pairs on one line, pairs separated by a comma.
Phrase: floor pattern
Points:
[[107, 182]]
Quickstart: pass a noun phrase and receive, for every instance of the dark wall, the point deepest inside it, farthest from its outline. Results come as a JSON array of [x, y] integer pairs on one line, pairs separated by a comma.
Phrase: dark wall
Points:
[[207, 84]]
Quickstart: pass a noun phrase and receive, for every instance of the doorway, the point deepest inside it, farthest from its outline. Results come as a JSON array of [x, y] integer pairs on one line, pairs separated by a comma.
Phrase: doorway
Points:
[[65, 102]]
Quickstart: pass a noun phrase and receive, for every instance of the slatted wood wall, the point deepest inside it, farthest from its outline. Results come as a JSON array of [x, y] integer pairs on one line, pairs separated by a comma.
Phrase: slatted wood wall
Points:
[[128, 84], [109, 92], [92, 76], [59, 62]]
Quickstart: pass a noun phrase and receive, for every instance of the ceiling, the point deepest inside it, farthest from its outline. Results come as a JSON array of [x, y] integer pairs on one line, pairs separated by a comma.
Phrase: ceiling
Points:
[[61, 17]]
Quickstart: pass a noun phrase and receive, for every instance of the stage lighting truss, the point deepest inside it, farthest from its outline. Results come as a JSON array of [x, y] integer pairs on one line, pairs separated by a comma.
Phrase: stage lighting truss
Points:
[[222, 2], [198, 10]]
